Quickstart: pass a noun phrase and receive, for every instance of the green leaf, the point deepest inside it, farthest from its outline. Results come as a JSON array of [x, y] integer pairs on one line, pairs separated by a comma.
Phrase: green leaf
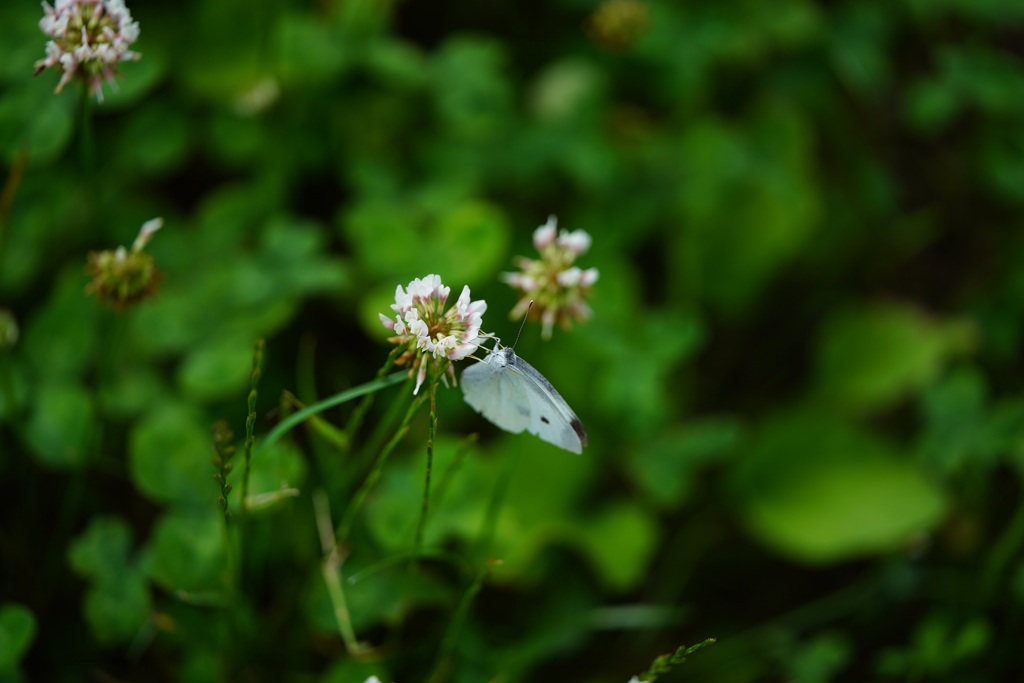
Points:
[[35, 120], [101, 552], [169, 457], [620, 541], [870, 357], [117, 601], [219, 367], [17, 631], [818, 490], [749, 203], [117, 611], [62, 425], [666, 466], [186, 551], [309, 49], [68, 314], [464, 241]]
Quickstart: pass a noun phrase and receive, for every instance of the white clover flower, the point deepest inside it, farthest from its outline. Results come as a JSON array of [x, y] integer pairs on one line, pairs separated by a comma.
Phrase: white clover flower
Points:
[[577, 241], [634, 679], [431, 334], [556, 287], [545, 234], [88, 39]]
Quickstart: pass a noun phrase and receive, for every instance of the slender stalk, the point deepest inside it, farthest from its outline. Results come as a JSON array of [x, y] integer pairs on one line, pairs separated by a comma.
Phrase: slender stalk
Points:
[[424, 507], [330, 568], [443, 664], [86, 145], [359, 497]]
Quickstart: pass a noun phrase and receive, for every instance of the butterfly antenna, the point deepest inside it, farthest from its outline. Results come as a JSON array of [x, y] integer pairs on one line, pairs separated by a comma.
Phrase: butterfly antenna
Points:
[[522, 325]]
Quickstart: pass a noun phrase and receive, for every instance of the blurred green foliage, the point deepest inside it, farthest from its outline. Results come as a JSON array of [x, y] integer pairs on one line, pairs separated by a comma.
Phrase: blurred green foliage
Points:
[[799, 381]]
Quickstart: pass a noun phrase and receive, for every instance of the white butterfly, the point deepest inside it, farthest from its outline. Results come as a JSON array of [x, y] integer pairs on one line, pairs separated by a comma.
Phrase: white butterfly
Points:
[[509, 392]]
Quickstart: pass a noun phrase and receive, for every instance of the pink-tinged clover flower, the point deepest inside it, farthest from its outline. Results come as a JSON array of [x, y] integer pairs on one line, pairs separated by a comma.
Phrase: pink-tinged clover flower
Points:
[[557, 288], [430, 334], [88, 39]]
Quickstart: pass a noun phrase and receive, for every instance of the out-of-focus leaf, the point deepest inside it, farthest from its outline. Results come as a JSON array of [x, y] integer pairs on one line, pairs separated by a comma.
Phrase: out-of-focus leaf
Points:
[[465, 241], [665, 467], [116, 604], [310, 51], [818, 490], [620, 540], [474, 101], [140, 150], [870, 357], [633, 385], [61, 340], [748, 203], [35, 121], [17, 631], [169, 456], [218, 368], [117, 611], [101, 552], [186, 551], [61, 427]]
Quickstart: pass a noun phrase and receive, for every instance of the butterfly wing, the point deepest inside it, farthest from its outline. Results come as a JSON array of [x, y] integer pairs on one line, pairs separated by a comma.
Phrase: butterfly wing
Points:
[[491, 391], [550, 417]]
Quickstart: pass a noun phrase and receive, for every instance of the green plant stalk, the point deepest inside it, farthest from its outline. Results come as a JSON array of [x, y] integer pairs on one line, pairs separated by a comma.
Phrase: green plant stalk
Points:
[[425, 505], [330, 569], [348, 518], [494, 506], [299, 417], [250, 420], [86, 145], [443, 664]]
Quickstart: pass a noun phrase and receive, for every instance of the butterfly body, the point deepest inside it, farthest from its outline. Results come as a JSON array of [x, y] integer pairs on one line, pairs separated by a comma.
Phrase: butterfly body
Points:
[[513, 395]]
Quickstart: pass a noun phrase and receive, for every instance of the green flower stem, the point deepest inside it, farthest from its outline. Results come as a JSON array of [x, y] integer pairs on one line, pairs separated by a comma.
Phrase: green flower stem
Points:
[[424, 507], [294, 419], [330, 568], [359, 497], [86, 145]]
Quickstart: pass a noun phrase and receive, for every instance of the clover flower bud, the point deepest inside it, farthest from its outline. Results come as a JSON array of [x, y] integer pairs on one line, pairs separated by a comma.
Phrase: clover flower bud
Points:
[[123, 278]]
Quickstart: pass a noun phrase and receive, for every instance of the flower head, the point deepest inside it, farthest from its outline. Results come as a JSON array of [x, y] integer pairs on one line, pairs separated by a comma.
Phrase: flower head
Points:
[[121, 277], [430, 334], [556, 287], [88, 39]]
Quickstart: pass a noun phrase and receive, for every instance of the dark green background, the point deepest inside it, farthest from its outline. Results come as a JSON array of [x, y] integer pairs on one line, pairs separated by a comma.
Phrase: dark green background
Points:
[[801, 380]]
